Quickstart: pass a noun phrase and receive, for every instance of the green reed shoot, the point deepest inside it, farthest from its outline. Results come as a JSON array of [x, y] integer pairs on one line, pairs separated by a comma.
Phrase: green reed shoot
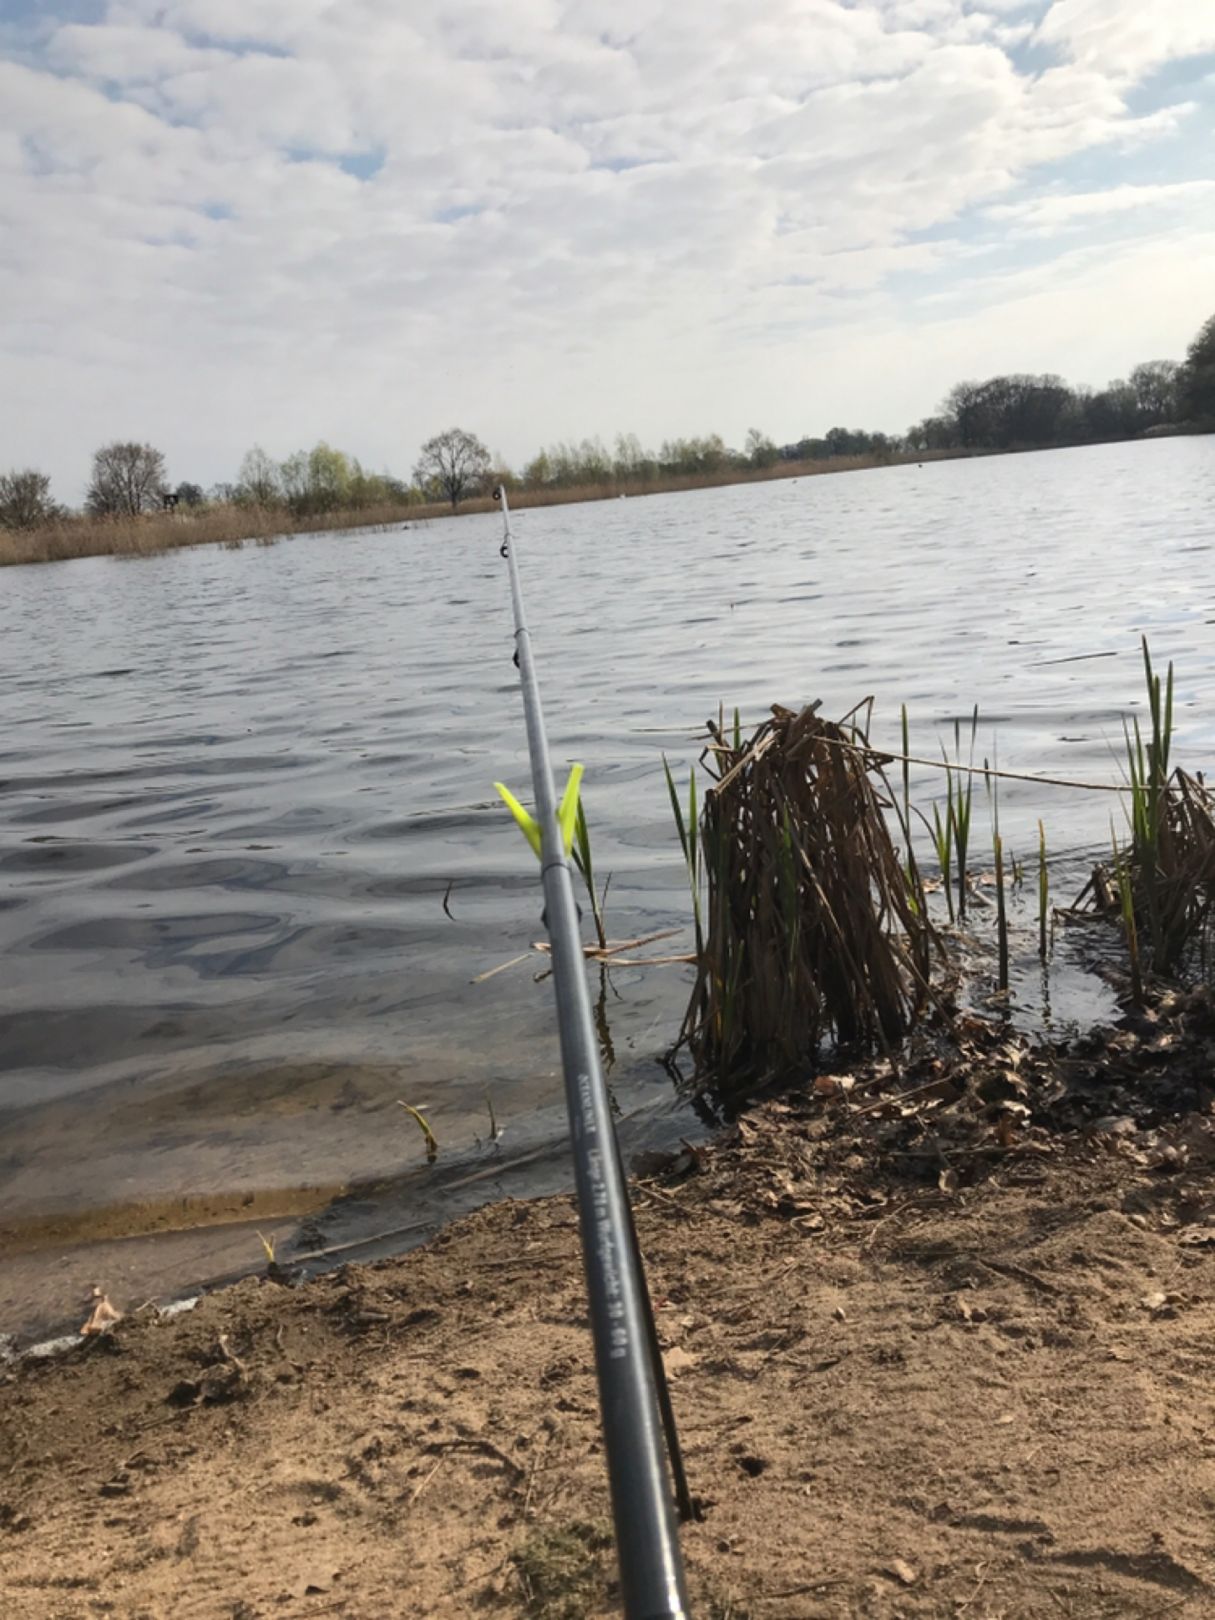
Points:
[[423, 1124], [1043, 892], [913, 879], [951, 831], [942, 838], [915, 885], [959, 804], [1001, 910], [1148, 772], [1126, 900], [992, 783], [688, 831], [585, 864]]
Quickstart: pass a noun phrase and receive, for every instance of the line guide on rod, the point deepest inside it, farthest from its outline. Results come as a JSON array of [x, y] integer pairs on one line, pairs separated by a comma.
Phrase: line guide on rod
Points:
[[634, 1400]]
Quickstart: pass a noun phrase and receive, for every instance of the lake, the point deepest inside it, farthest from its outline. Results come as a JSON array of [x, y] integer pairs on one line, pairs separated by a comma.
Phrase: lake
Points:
[[236, 788]]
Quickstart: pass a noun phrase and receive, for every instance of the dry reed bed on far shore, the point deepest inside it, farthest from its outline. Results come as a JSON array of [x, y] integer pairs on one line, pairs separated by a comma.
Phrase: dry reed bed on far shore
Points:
[[169, 531], [232, 525]]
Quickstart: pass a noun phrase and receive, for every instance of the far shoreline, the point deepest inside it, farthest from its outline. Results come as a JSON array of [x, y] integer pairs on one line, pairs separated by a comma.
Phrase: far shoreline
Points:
[[234, 525]]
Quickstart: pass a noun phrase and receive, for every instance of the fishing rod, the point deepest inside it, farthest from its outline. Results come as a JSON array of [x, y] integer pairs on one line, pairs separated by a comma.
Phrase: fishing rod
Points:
[[634, 1400]]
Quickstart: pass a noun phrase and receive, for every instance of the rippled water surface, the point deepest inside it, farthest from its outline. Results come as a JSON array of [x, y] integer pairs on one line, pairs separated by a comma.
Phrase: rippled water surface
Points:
[[235, 788]]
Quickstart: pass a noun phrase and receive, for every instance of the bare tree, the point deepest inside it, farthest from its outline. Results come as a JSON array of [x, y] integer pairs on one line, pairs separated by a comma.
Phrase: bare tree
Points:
[[454, 462], [1198, 375], [761, 451], [1155, 384], [127, 479], [25, 500]]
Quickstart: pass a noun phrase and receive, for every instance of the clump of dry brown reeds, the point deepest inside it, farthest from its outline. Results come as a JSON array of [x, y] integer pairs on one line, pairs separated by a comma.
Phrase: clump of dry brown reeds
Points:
[[808, 930], [149, 533], [1184, 879]]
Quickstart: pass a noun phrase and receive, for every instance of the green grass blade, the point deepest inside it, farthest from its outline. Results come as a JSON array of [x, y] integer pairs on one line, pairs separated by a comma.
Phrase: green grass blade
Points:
[[585, 864]]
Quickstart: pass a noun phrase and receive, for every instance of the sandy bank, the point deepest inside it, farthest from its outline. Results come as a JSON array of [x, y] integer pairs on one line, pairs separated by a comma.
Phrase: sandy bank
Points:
[[932, 1356]]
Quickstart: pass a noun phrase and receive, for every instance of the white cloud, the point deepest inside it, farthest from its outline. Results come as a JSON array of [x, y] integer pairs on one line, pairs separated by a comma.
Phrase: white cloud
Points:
[[126, 54], [228, 220], [1047, 214], [1128, 37]]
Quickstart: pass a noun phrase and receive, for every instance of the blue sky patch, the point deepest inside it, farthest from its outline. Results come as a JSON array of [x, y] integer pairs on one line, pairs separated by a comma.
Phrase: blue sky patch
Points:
[[457, 212], [363, 165]]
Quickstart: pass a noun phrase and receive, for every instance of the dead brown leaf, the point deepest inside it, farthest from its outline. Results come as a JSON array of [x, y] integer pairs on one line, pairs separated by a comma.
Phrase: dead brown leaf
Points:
[[902, 1571], [677, 1360], [103, 1316]]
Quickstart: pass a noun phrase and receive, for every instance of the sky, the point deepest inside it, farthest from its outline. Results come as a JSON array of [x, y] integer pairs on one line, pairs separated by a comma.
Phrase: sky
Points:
[[229, 222]]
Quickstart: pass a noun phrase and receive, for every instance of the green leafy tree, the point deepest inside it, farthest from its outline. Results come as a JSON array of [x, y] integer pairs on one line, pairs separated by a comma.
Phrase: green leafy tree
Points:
[[706, 454], [128, 478], [25, 500], [320, 480], [631, 461], [363, 488], [376, 489], [454, 463], [502, 473], [330, 474], [567, 468], [594, 462], [539, 470], [260, 480], [294, 474]]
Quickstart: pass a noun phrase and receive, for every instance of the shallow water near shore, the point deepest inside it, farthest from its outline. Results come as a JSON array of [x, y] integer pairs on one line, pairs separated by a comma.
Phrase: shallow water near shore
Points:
[[235, 788]]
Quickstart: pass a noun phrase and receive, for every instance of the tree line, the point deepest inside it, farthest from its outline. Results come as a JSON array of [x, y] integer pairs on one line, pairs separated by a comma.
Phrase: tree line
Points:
[[1018, 411], [1006, 413]]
